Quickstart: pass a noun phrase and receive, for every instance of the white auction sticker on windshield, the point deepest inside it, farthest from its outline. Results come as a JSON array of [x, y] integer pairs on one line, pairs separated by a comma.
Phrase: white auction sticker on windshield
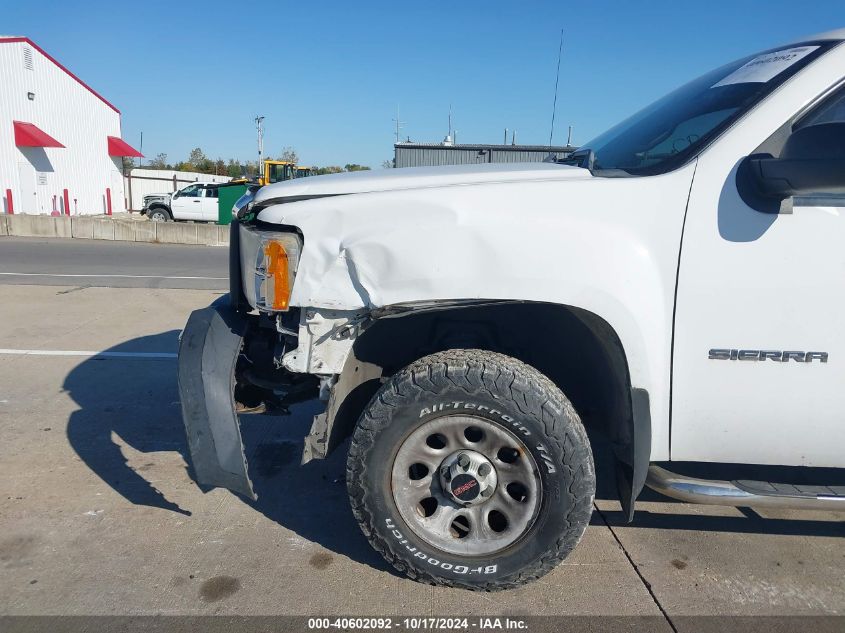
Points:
[[765, 67]]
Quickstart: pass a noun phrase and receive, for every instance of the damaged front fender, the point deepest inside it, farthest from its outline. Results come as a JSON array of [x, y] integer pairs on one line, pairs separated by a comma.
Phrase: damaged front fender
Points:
[[208, 352]]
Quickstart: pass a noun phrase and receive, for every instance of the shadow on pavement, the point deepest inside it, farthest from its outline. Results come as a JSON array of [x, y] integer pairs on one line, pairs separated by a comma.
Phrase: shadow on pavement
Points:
[[310, 500], [135, 399], [138, 401]]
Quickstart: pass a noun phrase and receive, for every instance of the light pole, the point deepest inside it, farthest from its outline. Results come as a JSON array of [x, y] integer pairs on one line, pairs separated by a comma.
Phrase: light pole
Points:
[[259, 124]]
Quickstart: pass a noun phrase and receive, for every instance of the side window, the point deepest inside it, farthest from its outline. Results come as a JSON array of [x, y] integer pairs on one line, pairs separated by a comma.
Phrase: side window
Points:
[[211, 192], [278, 173], [194, 191], [831, 110]]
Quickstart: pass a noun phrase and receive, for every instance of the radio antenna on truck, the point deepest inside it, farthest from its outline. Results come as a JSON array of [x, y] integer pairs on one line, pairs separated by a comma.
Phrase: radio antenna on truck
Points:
[[557, 81]]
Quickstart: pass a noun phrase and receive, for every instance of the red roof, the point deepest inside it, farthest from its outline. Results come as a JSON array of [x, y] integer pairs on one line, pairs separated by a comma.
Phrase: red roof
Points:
[[119, 147], [9, 40], [29, 135]]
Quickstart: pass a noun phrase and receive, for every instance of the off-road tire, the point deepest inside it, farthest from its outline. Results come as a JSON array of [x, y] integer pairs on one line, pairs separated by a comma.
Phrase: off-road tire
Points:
[[436, 386]]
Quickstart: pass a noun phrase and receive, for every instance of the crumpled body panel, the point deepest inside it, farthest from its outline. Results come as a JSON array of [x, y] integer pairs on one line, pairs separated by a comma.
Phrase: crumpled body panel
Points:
[[606, 245]]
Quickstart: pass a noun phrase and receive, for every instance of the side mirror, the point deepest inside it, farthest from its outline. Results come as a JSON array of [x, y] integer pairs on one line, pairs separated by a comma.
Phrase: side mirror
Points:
[[812, 161]]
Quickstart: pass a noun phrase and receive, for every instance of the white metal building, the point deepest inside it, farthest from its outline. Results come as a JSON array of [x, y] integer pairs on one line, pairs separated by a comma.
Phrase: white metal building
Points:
[[60, 145]]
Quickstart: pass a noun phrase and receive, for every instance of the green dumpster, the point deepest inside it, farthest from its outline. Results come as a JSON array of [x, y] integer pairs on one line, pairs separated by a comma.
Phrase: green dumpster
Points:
[[226, 197]]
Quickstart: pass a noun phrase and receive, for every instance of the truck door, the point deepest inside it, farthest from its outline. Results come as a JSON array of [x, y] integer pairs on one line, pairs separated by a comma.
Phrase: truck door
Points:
[[759, 352], [209, 204], [186, 204]]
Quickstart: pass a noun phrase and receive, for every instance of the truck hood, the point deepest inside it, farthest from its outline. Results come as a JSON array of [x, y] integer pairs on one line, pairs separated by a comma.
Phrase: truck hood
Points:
[[490, 231], [415, 178]]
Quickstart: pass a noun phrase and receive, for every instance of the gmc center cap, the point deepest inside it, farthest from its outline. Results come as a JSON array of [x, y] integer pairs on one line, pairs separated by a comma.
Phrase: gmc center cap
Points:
[[464, 487]]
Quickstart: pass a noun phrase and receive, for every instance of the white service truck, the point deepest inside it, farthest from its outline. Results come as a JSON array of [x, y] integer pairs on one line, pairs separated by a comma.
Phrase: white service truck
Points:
[[677, 286], [197, 202]]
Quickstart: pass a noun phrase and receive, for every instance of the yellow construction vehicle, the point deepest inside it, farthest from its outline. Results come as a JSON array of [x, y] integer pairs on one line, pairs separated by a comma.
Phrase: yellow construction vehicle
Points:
[[277, 171]]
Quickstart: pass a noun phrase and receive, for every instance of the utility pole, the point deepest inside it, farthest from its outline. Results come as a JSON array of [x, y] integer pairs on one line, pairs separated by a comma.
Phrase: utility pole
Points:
[[141, 150], [259, 125], [399, 124]]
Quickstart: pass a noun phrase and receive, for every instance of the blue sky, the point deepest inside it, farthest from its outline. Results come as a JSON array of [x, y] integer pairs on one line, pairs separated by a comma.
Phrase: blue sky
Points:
[[328, 75]]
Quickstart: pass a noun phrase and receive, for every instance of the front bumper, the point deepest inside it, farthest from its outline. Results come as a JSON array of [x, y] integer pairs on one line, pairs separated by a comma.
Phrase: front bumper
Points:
[[208, 353], [146, 203], [227, 356]]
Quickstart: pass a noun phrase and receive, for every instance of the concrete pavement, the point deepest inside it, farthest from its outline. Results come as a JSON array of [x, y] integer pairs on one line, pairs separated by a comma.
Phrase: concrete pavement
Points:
[[99, 514], [80, 263]]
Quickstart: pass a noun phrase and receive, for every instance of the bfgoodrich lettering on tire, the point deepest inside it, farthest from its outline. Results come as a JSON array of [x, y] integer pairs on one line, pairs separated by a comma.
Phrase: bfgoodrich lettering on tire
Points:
[[469, 468]]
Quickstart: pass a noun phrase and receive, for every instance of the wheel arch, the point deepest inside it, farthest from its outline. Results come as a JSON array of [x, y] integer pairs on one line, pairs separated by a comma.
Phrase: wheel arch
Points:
[[577, 349], [162, 207]]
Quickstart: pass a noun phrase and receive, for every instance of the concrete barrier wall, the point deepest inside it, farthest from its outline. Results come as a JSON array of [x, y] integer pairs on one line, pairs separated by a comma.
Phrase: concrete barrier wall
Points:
[[35, 226], [116, 229], [82, 228], [173, 233]]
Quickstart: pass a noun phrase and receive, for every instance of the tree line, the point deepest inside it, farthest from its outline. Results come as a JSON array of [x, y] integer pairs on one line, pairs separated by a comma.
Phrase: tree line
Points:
[[197, 161]]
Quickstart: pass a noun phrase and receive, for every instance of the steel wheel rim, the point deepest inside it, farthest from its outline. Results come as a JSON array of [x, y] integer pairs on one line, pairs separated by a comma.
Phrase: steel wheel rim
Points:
[[485, 526], [157, 216]]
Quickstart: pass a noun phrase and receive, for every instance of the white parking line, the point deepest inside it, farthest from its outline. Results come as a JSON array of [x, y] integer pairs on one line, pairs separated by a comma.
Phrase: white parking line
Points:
[[87, 354], [101, 276]]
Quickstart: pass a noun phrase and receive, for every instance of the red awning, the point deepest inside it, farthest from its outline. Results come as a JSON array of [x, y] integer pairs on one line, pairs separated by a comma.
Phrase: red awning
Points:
[[119, 147], [28, 135]]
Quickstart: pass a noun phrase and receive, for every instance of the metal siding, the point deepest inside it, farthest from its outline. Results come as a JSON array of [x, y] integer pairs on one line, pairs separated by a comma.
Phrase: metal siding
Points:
[[520, 156], [416, 156], [71, 114]]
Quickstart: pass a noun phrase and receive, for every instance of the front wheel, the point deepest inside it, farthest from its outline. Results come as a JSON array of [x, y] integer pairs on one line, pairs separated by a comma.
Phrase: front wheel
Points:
[[158, 215], [469, 468]]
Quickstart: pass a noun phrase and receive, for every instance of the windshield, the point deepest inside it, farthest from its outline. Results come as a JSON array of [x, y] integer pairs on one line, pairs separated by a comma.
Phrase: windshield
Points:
[[278, 172], [666, 134]]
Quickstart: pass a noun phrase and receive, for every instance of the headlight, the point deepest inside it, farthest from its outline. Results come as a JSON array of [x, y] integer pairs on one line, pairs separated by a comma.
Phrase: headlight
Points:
[[268, 266], [242, 203]]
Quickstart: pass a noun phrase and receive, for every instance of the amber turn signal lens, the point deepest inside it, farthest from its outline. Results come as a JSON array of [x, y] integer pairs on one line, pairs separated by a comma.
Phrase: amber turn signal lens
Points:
[[268, 266], [278, 275]]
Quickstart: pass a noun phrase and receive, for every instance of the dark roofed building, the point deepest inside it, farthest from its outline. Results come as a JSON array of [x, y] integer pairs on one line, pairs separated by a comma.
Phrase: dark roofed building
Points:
[[430, 154]]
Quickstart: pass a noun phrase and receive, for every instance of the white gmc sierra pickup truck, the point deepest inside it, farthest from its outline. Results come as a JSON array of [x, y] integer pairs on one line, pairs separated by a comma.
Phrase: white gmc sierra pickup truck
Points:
[[677, 285]]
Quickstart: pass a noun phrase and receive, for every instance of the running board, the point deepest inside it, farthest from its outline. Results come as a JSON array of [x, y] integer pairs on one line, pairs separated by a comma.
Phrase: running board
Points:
[[752, 494]]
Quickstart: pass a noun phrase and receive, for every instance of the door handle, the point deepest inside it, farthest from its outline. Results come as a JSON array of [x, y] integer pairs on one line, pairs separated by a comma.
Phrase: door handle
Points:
[[197, 200]]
